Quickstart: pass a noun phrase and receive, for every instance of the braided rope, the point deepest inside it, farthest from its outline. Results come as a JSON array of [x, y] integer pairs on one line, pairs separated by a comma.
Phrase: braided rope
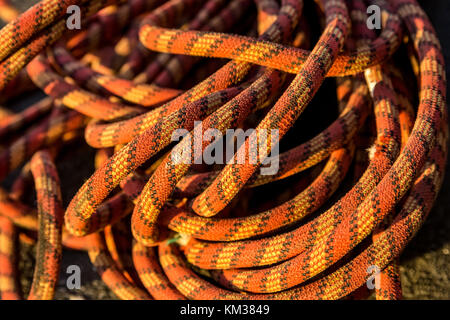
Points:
[[141, 69]]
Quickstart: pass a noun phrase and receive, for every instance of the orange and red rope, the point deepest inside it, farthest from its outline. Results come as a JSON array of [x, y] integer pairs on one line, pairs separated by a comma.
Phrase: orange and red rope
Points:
[[358, 190]]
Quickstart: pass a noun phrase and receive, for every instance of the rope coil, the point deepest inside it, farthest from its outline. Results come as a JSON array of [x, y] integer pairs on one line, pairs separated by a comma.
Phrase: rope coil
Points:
[[355, 193]]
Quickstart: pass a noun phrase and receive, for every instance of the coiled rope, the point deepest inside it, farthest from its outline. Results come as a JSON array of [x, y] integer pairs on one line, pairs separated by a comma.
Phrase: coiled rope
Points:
[[354, 194]]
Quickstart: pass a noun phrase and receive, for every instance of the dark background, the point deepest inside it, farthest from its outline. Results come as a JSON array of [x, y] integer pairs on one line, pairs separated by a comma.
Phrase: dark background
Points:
[[425, 263]]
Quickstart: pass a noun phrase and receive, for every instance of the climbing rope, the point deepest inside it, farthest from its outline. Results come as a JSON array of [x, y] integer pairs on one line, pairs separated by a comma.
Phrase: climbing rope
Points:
[[348, 194]]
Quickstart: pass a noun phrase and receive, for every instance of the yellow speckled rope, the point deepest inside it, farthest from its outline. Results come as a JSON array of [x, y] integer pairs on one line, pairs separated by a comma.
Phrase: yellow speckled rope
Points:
[[151, 225]]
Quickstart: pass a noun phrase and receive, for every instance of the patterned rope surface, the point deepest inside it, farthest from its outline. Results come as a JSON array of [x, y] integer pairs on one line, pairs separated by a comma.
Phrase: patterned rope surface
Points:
[[348, 194]]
